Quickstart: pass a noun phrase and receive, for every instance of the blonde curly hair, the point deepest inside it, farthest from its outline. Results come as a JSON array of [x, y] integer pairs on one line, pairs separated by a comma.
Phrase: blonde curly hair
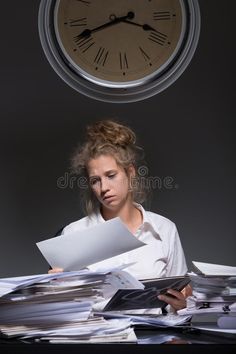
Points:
[[108, 137]]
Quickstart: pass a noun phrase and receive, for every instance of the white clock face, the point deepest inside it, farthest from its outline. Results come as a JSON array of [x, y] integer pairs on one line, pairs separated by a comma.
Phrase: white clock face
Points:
[[119, 42]]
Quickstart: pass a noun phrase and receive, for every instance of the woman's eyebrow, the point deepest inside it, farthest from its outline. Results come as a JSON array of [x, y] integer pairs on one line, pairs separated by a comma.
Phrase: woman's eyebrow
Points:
[[93, 176], [106, 173], [110, 171]]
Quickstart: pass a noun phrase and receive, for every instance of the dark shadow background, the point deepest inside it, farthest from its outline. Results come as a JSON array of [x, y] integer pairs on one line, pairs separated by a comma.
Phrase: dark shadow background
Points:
[[188, 132]]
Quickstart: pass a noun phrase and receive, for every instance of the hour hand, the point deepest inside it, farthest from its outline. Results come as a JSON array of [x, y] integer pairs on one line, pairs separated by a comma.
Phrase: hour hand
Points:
[[145, 27]]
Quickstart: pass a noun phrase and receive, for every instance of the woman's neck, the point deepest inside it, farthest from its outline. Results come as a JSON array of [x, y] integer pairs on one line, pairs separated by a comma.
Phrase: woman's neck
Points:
[[128, 213]]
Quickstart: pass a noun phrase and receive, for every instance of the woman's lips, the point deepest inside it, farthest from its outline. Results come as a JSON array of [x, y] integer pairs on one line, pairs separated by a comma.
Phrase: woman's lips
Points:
[[108, 197]]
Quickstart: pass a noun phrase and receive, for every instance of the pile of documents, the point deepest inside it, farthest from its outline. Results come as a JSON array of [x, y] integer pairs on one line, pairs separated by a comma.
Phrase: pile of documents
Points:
[[58, 307], [214, 297], [64, 307], [61, 307]]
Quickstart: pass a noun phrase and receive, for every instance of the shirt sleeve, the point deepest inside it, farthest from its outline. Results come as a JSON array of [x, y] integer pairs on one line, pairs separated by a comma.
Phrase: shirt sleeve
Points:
[[176, 263]]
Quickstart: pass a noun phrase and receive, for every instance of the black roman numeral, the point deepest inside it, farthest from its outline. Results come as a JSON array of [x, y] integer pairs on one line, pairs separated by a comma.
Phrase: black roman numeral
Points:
[[144, 54], [101, 56], [161, 15], [79, 22], [158, 37], [123, 61], [84, 43]]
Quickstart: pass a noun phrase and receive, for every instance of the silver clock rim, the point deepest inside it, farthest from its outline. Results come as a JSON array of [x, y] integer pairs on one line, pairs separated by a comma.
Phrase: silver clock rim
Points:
[[128, 92]]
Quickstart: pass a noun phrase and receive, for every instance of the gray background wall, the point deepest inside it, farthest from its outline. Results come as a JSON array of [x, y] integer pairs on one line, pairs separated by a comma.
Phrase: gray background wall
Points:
[[188, 132]]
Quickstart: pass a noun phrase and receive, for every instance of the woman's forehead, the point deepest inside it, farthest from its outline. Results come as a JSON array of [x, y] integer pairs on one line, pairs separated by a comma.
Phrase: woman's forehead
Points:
[[102, 164]]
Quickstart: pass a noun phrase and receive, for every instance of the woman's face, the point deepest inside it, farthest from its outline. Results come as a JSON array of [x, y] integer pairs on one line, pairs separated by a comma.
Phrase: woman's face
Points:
[[109, 181]]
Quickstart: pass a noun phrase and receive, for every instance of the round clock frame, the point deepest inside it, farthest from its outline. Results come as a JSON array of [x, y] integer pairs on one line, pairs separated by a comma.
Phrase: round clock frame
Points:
[[152, 48]]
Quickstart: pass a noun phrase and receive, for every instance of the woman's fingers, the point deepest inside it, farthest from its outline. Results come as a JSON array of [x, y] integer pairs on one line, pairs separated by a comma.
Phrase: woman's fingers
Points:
[[187, 291], [177, 304], [176, 300], [55, 270], [176, 294]]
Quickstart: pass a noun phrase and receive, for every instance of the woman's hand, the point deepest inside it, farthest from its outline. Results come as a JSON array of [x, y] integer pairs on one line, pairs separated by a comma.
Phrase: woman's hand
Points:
[[55, 270], [177, 300]]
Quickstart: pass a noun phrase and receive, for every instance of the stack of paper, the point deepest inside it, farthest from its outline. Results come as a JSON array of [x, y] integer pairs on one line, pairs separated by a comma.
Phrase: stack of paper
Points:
[[59, 306], [214, 294], [149, 320], [94, 329]]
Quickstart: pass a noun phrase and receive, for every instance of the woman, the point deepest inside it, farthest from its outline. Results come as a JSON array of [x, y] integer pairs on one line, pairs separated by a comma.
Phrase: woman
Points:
[[110, 161]]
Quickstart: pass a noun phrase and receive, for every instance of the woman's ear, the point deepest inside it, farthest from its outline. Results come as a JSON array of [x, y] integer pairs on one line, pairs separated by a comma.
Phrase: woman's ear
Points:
[[131, 171], [131, 176]]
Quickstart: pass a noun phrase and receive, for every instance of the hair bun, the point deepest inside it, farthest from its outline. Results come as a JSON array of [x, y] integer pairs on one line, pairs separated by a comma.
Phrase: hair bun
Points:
[[111, 132]]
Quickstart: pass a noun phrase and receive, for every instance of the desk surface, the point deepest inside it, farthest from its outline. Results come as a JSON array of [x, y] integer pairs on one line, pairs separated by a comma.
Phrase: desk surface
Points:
[[148, 343]]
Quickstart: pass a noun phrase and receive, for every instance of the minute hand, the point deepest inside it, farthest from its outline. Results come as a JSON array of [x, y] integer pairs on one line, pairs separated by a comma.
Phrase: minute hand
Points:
[[87, 32], [145, 27]]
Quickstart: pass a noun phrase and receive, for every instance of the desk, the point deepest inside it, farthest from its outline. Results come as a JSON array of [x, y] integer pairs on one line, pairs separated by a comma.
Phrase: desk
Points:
[[183, 341]]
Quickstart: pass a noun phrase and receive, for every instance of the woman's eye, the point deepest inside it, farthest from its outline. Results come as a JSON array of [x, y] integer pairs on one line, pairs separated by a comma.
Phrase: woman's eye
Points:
[[111, 176], [93, 181]]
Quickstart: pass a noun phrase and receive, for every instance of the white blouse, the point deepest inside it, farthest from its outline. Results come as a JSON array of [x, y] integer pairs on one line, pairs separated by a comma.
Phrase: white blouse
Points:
[[162, 256]]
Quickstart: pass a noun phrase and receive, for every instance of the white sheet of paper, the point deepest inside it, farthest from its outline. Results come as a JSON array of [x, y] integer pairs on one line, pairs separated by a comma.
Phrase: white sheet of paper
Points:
[[82, 248], [212, 327], [210, 269]]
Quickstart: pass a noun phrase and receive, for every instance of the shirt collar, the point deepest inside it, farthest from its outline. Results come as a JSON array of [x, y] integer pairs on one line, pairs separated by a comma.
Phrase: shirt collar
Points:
[[147, 220]]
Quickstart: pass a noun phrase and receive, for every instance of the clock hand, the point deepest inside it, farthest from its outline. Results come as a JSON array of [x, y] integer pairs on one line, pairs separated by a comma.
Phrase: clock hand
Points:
[[87, 32], [145, 27]]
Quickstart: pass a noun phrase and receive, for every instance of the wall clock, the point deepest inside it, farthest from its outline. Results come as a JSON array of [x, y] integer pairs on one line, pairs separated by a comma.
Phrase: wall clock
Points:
[[119, 51]]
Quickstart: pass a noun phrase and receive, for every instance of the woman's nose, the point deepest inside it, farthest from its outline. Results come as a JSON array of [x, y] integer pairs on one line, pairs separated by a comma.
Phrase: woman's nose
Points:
[[104, 186]]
